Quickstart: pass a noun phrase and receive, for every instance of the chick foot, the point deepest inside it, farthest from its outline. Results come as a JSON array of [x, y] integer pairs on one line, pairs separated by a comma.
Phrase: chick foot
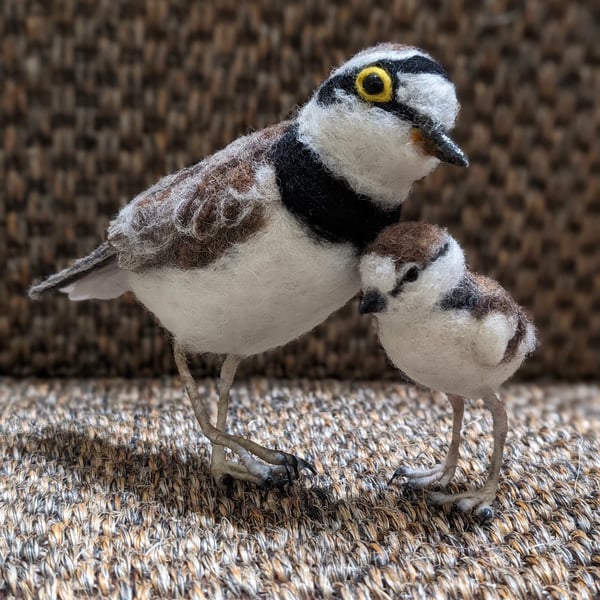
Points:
[[478, 500], [441, 474]]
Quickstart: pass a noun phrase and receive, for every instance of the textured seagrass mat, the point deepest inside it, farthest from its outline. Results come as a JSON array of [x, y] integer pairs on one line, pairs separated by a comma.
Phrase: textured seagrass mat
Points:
[[105, 491], [101, 98]]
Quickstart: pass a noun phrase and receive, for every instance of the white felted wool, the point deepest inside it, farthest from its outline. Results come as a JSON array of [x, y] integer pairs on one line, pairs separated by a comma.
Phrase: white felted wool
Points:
[[102, 283], [377, 272], [450, 329], [378, 53], [495, 332], [369, 146], [222, 307], [366, 146]]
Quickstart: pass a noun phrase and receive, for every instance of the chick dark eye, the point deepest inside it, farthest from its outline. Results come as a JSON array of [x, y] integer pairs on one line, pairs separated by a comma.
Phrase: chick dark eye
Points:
[[412, 274], [373, 84]]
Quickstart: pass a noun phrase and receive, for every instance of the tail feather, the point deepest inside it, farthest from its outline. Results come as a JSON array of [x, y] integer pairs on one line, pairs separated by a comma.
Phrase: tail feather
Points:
[[99, 264]]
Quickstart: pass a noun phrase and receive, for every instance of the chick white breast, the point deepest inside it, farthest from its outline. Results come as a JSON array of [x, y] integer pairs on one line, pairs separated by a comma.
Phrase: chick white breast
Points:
[[452, 330], [450, 350]]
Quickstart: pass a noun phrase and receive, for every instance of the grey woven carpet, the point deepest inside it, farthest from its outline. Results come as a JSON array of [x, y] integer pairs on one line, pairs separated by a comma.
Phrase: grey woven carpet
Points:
[[105, 492]]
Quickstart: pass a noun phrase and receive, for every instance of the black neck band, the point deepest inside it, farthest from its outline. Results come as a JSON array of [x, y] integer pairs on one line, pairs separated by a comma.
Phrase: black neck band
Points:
[[328, 206]]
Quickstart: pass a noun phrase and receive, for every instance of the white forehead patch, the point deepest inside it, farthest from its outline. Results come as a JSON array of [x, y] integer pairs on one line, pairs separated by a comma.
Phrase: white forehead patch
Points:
[[377, 272], [379, 53]]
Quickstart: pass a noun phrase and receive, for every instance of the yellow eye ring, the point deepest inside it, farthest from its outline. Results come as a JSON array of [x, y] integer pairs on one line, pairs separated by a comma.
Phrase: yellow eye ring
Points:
[[374, 84]]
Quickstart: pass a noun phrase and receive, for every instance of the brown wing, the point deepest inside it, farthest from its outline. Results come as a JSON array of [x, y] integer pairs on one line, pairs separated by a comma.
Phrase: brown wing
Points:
[[494, 297], [190, 218], [491, 296]]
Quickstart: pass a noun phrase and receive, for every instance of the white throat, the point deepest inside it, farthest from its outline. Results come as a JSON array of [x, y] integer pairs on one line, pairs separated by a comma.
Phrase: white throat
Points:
[[368, 147]]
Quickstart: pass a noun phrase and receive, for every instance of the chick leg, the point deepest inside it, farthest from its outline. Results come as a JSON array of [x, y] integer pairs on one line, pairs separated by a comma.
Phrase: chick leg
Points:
[[251, 469], [442, 473], [481, 499]]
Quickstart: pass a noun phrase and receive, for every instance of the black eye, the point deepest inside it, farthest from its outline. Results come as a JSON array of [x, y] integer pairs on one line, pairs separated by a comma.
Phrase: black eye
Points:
[[373, 84], [412, 274]]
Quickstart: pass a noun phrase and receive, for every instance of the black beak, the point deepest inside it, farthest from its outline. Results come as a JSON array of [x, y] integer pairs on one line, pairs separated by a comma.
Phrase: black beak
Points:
[[439, 144], [372, 302]]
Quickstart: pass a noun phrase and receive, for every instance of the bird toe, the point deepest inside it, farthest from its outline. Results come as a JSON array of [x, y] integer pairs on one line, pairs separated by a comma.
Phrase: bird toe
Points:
[[484, 513]]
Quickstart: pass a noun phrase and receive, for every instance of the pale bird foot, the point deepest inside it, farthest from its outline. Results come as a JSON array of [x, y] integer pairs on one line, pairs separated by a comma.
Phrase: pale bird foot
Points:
[[263, 475], [478, 500], [292, 465], [440, 474]]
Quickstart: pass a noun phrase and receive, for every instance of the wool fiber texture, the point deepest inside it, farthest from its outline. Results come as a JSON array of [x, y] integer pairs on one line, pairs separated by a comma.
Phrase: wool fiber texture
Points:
[[189, 218], [456, 331]]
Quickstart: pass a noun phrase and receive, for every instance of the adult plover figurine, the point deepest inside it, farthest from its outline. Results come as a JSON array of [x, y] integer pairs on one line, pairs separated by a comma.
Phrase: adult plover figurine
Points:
[[449, 329], [258, 243]]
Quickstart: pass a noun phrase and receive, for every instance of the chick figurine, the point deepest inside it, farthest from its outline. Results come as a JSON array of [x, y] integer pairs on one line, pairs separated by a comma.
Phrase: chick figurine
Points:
[[448, 329]]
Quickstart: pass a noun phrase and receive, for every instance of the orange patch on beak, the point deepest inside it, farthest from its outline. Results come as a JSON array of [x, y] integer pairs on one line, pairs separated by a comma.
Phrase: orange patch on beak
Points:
[[423, 143]]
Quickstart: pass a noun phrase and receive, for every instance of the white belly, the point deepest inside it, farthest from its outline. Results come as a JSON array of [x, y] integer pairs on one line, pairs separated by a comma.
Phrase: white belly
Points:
[[280, 285], [437, 350]]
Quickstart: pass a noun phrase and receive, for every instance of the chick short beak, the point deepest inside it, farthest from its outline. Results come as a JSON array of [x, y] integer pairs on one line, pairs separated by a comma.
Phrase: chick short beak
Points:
[[372, 301], [434, 140]]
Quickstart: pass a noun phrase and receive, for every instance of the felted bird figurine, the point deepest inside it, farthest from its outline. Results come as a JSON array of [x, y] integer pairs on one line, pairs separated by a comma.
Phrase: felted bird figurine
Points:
[[258, 243], [449, 329]]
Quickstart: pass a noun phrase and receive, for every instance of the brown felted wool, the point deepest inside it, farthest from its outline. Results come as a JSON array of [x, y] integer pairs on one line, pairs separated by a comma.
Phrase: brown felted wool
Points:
[[100, 101]]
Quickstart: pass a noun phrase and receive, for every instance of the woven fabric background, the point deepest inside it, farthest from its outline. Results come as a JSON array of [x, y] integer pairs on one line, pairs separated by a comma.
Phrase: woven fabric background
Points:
[[101, 98]]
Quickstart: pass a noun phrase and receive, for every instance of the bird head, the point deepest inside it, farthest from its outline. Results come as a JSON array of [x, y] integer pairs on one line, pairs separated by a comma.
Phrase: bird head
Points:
[[381, 121], [409, 265]]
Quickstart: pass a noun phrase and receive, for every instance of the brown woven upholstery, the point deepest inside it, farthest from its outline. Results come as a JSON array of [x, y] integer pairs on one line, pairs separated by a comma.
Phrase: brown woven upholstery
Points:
[[100, 98]]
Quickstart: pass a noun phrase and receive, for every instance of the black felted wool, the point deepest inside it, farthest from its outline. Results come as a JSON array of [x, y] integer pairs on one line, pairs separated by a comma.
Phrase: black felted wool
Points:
[[325, 204]]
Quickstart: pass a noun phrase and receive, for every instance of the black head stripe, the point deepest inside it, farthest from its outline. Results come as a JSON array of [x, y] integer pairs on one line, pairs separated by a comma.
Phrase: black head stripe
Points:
[[418, 64], [327, 92], [413, 65], [465, 296]]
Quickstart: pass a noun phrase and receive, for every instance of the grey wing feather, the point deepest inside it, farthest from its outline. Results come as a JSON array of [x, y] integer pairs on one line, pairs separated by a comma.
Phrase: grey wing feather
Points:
[[103, 257], [188, 219]]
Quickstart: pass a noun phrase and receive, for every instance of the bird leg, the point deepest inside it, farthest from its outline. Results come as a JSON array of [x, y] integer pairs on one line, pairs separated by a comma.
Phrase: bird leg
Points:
[[481, 499], [220, 468], [443, 472], [285, 466]]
